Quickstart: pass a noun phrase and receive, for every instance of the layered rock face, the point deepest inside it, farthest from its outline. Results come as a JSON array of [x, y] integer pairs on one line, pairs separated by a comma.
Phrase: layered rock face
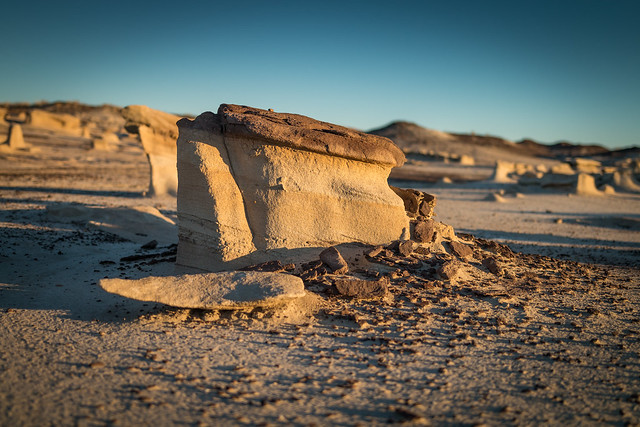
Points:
[[255, 185], [158, 133]]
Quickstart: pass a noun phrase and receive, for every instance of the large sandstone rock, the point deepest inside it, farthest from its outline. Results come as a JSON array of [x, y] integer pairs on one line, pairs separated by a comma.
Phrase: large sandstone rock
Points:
[[55, 122], [158, 133], [230, 290], [256, 185]]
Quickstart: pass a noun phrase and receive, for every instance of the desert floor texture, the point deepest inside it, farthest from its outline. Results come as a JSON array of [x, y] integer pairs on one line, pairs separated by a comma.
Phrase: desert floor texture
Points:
[[554, 340]]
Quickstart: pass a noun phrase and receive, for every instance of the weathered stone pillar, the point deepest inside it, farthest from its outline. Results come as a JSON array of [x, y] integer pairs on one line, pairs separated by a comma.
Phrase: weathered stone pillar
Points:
[[15, 139], [158, 133]]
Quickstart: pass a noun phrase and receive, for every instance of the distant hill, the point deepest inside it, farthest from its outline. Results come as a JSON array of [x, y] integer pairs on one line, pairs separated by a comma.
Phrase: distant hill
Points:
[[412, 138]]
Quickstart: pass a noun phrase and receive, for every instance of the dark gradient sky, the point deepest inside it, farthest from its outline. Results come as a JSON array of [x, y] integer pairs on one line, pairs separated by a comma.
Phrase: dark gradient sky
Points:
[[549, 70]]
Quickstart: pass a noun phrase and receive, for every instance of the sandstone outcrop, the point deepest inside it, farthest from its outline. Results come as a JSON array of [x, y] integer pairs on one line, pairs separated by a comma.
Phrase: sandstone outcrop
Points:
[[624, 180], [586, 185], [256, 185], [583, 165], [158, 133], [55, 121], [562, 169], [502, 172]]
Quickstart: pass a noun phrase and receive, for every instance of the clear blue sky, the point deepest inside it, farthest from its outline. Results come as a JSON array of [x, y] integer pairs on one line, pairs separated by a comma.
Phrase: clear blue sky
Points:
[[549, 70]]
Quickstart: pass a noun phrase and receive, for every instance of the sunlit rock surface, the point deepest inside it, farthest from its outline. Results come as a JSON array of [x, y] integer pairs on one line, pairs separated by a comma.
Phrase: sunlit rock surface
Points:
[[256, 185], [158, 133]]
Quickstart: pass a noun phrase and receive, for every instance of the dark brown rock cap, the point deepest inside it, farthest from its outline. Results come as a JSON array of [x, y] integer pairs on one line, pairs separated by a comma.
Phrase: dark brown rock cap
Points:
[[300, 132]]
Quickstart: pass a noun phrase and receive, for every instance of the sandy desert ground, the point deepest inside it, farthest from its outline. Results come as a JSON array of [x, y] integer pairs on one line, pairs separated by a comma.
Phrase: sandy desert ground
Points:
[[554, 340]]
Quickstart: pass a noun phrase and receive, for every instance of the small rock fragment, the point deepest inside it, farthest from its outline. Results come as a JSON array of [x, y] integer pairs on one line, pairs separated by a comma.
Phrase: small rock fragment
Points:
[[423, 231], [427, 205], [357, 288], [422, 250], [272, 266], [492, 265], [461, 250], [449, 270], [374, 252], [150, 245], [332, 258], [313, 270], [405, 248]]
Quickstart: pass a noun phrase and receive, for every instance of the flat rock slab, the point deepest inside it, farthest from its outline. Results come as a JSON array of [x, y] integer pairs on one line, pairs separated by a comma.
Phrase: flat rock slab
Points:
[[214, 291]]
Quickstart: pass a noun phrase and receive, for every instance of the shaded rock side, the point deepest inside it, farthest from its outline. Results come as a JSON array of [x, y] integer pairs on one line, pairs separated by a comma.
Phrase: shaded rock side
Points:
[[158, 133], [230, 290], [253, 181], [624, 180]]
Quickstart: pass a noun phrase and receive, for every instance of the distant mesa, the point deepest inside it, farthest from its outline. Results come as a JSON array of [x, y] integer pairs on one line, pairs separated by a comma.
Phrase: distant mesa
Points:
[[431, 144], [256, 185]]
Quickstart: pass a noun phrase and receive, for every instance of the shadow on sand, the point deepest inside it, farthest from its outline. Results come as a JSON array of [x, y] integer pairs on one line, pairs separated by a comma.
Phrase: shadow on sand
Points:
[[125, 194], [47, 264]]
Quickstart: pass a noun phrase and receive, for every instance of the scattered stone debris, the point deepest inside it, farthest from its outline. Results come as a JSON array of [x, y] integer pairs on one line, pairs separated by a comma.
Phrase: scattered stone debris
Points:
[[270, 266]]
